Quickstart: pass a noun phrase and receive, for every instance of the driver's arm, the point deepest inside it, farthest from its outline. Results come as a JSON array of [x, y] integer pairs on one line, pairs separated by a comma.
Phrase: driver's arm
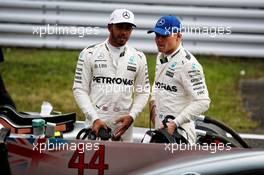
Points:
[[82, 87], [141, 88], [194, 84]]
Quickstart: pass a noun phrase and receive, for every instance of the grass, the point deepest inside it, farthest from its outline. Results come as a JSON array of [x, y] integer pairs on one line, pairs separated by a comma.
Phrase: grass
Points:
[[223, 76], [32, 76]]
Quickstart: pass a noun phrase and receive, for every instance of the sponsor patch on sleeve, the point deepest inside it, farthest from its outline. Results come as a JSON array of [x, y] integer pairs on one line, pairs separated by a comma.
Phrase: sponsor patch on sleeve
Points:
[[131, 68]]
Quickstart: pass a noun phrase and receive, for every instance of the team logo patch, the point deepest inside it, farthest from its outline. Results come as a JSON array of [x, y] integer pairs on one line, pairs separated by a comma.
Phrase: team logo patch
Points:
[[161, 22], [170, 74], [126, 15], [131, 68], [132, 60], [173, 66], [100, 66], [194, 66], [101, 55]]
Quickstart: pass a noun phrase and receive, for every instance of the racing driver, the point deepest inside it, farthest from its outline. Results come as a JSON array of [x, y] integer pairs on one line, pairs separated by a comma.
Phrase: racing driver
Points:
[[111, 83], [179, 88]]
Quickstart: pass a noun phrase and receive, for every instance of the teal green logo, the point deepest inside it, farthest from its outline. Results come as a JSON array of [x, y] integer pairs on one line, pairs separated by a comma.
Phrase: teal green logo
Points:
[[173, 66], [132, 60], [194, 66], [81, 55]]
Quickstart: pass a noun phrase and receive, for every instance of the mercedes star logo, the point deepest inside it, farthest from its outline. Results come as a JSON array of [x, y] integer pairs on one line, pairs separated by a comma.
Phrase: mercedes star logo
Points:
[[126, 15], [161, 22]]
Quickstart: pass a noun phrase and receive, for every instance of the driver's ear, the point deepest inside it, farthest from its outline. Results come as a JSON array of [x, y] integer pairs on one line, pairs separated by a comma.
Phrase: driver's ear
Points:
[[179, 35]]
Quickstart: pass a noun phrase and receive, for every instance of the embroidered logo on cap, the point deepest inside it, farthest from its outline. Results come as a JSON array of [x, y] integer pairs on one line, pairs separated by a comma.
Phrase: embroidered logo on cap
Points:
[[161, 22], [126, 15]]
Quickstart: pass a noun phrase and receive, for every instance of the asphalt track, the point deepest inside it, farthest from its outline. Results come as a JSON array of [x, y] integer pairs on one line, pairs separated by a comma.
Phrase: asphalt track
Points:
[[253, 100]]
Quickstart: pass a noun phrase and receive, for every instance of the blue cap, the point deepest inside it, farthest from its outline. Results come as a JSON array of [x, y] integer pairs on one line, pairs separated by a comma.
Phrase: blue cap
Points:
[[167, 25]]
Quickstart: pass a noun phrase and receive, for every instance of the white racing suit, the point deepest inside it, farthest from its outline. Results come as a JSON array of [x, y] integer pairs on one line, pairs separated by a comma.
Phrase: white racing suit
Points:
[[107, 88], [180, 90]]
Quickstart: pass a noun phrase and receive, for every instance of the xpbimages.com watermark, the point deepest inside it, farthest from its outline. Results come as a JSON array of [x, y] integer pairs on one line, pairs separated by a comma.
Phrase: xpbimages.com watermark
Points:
[[48, 29], [209, 31], [124, 89], [59, 145], [212, 147]]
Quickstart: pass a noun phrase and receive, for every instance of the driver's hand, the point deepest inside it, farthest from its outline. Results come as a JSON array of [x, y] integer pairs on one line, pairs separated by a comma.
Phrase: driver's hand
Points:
[[123, 123], [97, 124], [171, 126]]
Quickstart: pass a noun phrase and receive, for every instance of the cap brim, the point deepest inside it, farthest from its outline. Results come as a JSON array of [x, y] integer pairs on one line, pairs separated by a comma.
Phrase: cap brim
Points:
[[150, 31], [124, 23], [160, 31]]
